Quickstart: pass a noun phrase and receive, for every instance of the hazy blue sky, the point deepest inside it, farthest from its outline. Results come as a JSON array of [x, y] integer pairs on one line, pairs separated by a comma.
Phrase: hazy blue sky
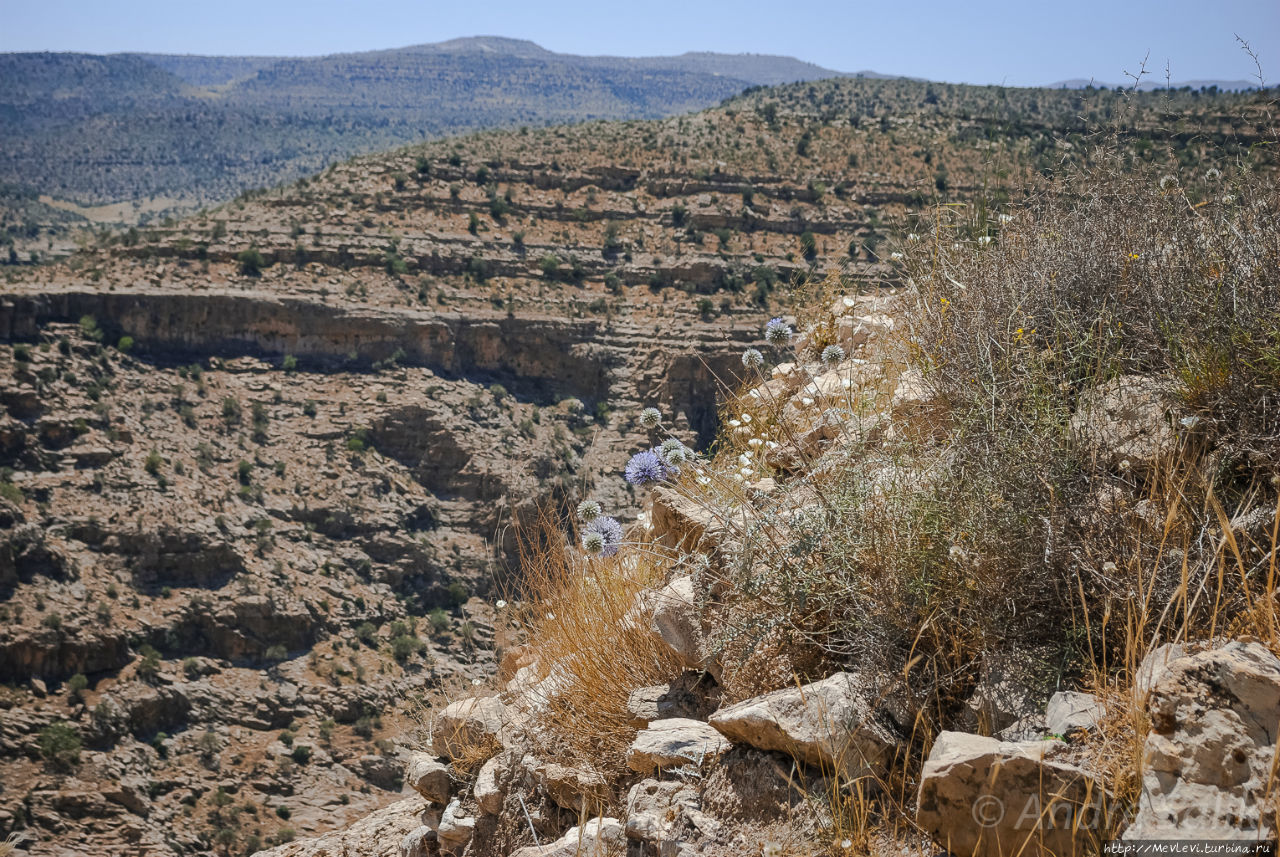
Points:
[[1019, 43]]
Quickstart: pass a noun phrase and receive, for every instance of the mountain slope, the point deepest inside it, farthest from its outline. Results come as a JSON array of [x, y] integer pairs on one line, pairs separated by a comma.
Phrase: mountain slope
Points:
[[190, 130]]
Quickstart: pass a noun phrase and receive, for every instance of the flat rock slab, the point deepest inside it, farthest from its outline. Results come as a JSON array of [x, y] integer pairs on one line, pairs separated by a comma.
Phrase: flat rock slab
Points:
[[830, 723], [674, 742]]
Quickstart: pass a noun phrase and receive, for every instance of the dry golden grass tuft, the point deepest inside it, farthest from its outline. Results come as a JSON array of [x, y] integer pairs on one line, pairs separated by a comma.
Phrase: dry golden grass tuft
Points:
[[589, 642]]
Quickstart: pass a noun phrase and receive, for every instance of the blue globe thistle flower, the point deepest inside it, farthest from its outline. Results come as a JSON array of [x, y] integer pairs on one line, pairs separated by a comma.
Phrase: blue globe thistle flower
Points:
[[645, 467], [651, 418], [777, 332], [588, 510], [605, 533], [832, 354], [752, 358]]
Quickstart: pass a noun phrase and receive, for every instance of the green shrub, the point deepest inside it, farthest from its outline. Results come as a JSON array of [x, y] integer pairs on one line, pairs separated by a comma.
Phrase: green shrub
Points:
[[125, 344], [439, 620], [76, 686], [60, 746], [149, 663], [405, 646], [153, 463], [458, 593], [251, 262], [230, 410], [89, 328]]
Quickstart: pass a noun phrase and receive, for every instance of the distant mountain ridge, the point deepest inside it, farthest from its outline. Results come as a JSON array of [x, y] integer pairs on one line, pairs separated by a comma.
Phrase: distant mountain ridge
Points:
[[752, 69], [196, 129]]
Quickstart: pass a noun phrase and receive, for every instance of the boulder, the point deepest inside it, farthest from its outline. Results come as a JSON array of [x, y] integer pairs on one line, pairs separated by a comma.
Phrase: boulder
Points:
[[455, 829], [1127, 422], [674, 742], [981, 797], [596, 838], [571, 788], [468, 725], [664, 814], [429, 777], [1208, 769], [832, 723], [1070, 713]]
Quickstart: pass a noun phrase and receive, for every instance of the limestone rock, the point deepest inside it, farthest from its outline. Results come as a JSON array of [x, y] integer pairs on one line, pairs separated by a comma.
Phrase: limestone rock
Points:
[[980, 797], [455, 829], [571, 788], [487, 791], [596, 838], [674, 742], [379, 834], [467, 724], [1070, 712], [1128, 420], [429, 777], [1209, 757], [832, 723]]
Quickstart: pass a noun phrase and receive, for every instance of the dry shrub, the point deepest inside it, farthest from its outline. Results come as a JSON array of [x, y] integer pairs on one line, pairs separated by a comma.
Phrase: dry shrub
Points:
[[581, 627]]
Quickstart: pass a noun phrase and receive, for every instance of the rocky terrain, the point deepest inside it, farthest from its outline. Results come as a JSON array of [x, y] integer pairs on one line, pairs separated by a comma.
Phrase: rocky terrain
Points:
[[712, 769], [984, 564], [266, 468]]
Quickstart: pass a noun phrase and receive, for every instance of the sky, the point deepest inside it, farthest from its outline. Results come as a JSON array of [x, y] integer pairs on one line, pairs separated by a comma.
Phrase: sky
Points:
[[1022, 43]]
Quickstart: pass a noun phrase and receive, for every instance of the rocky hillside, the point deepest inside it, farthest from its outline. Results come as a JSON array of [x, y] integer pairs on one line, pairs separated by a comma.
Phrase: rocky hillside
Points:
[[267, 469], [981, 565]]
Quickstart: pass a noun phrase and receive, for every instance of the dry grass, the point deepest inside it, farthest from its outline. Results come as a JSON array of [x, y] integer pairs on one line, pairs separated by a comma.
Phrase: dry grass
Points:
[[580, 620]]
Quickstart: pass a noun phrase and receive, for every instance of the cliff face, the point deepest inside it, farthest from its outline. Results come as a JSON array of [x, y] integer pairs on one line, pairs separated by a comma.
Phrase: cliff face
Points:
[[206, 551]]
